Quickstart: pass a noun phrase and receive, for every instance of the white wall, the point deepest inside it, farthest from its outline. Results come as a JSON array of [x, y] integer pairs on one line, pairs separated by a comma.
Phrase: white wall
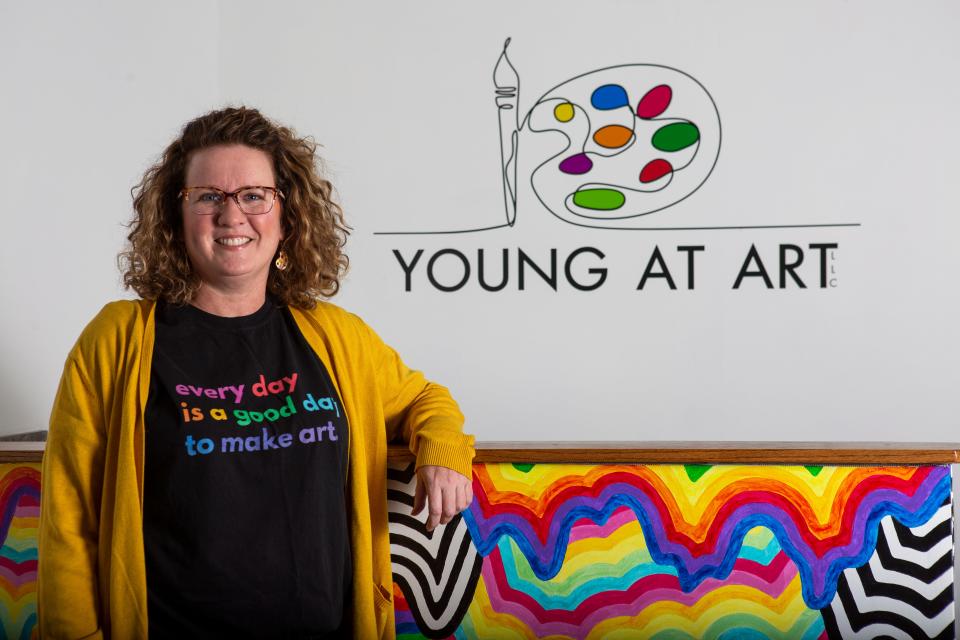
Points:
[[831, 113], [91, 93]]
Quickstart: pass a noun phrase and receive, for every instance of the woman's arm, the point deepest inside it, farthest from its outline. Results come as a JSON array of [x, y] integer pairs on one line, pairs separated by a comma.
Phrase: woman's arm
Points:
[[425, 415]]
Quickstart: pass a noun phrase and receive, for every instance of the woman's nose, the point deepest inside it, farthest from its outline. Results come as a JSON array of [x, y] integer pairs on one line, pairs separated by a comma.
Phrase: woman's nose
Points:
[[230, 213]]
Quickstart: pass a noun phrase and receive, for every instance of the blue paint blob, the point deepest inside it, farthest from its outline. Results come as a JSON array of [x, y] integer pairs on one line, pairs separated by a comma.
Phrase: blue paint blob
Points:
[[609, 96]]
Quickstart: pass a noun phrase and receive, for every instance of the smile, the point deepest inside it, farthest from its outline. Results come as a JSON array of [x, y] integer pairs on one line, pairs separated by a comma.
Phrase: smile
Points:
[[233, 242]]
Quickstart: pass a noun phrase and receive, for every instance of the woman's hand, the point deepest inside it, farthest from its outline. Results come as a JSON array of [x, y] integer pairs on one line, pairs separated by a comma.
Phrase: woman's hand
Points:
[[445, 492]]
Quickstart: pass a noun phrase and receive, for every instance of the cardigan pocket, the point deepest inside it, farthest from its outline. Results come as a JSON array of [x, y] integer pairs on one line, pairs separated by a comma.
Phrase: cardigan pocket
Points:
[[382, 604]]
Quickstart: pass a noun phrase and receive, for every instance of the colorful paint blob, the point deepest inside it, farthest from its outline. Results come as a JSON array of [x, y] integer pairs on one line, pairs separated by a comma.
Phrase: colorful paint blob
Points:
[[599, 199], [609, 96], [563, 112], [654, 102], [675, 136], [613, 136], [654, 170], [576, 165]]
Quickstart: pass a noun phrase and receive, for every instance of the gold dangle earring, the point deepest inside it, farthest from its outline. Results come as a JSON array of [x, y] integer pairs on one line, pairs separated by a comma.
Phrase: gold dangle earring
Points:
[[282, 262]]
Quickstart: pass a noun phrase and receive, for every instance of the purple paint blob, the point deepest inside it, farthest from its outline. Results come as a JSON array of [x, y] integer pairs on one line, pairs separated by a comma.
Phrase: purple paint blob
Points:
[[576, 165]]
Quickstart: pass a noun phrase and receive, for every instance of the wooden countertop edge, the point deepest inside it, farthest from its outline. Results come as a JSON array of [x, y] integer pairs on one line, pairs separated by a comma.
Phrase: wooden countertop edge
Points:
[[676, 452], [665, 452], [21, 452]]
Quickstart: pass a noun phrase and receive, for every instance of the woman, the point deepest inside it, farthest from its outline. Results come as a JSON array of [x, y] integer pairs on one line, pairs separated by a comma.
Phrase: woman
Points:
[[216, 461]]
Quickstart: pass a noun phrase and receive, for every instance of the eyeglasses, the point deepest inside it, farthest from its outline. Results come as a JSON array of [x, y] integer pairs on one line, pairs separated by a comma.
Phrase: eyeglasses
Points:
[[253, 201]]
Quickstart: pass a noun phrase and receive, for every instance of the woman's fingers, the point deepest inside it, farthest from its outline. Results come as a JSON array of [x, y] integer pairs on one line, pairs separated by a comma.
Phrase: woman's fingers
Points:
[[418, 498], [435, 498], [447, 493]]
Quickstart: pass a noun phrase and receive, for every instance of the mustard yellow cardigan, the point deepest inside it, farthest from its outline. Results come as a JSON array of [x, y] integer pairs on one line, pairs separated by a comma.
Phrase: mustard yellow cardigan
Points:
[[91, 574]]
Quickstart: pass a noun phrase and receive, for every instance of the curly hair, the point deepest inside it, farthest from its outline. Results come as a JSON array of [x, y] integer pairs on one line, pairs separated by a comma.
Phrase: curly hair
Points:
[[155, 263]]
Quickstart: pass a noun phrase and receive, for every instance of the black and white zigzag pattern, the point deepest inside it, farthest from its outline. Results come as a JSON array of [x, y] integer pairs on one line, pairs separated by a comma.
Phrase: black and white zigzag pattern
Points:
[[437, 571], [905, 591]]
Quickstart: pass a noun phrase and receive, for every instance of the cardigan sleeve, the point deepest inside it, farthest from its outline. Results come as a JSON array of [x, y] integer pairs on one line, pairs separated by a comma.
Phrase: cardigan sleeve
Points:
[[421, 413], [72, 480]]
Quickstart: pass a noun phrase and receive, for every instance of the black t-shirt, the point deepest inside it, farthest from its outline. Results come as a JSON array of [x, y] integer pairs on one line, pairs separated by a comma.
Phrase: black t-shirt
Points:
[[245, 517]]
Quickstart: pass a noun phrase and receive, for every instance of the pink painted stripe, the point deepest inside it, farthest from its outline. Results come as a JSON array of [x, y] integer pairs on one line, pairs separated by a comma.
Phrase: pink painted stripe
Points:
[[658, 589], [27, 511], [672, 594], [8, 568], [17, 581], [522, 614], [586, 528]]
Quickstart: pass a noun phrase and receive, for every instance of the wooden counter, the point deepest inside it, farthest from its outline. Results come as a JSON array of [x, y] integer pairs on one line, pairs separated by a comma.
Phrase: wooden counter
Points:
[[718, 452], [748, 535], [662, 452]]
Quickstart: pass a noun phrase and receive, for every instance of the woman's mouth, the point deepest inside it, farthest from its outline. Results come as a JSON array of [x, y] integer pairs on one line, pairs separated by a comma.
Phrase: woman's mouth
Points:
[[233, 241]]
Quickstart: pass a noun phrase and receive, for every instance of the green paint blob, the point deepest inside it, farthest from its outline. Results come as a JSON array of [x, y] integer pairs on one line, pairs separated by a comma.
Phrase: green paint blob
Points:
[[599, 199], [814, 470], [695, 471], [676, 136], [523, 467]]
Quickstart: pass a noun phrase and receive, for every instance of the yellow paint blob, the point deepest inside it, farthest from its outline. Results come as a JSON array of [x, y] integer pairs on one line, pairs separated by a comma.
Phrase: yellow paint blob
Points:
[[563, 112]]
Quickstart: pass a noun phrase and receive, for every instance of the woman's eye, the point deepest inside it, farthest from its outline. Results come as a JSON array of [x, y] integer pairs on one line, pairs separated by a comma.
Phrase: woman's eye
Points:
[[252, 196], [209, 196]]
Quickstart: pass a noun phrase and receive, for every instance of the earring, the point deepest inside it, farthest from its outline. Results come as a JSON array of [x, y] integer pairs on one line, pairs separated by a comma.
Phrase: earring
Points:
[[282, 262]]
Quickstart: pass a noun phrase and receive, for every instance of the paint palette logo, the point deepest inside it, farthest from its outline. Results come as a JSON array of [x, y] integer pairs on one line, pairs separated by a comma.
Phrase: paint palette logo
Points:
[[620, 143], [640, 138]]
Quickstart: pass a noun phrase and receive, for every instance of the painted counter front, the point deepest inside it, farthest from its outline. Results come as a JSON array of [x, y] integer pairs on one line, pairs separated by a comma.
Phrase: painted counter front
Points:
[[627, 550], [672, 541], [19, 519]]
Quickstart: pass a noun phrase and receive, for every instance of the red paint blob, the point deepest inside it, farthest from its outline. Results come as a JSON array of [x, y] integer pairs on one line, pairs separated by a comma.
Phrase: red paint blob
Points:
[[654, 102], [655, 170]]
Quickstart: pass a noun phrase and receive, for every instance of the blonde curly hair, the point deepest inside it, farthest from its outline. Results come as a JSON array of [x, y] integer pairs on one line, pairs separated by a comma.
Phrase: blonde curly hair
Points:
[[155, 263]]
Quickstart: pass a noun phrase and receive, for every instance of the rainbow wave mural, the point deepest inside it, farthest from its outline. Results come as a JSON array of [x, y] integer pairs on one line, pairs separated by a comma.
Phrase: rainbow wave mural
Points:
[[674, 551], [631, 551], [19, 518], [614, 584]]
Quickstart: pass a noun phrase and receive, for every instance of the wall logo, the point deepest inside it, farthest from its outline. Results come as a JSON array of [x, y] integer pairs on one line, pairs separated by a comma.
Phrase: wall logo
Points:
[[614, 148], [640, 138]]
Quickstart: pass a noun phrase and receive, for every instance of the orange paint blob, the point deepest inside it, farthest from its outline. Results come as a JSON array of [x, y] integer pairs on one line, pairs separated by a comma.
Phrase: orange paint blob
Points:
[[613, 136]]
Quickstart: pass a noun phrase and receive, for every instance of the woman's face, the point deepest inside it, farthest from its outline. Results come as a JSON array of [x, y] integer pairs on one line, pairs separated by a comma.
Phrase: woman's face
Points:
[[230, 250]]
